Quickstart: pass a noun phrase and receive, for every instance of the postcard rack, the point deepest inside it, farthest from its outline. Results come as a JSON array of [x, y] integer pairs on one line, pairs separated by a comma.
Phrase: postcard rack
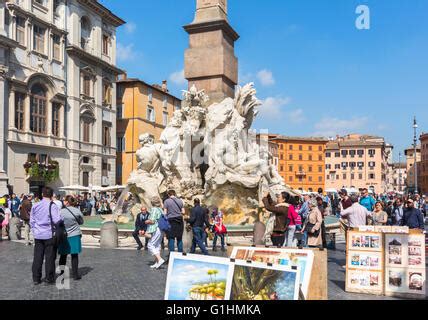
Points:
[[386, 263]]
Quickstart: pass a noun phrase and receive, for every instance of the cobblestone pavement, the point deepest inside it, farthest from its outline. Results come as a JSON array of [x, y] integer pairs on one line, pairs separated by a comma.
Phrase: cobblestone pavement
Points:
[[119, 275]]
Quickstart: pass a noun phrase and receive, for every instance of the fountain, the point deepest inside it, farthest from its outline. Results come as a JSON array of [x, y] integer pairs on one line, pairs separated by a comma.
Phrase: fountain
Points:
[[208, 152]]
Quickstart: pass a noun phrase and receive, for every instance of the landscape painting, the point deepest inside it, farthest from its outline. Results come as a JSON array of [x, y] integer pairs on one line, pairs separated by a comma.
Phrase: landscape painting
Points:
[[194, 277], [254, 281], [283, 257]]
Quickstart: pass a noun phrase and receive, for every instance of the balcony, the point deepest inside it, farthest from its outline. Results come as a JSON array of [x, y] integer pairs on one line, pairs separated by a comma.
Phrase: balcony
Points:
[[300, 174]]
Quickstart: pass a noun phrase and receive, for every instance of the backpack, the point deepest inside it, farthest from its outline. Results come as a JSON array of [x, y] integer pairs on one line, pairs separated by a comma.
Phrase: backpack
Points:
[[164, 224], [59, 232]]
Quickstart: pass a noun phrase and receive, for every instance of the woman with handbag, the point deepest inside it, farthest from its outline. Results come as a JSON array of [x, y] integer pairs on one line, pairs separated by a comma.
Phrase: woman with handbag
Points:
[[280, 210], [313, 224], [73, 219]]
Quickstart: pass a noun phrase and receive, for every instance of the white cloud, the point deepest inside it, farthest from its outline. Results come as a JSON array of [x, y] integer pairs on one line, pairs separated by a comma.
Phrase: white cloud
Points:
[[266, 77], [296, 116], [130, 27], [272, 107], [178, 78], [125, 52], [330, 127]]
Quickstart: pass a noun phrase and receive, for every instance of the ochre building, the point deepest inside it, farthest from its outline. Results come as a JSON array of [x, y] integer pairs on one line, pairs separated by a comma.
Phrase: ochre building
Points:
[[424, 164], [301, 161], [142, 108]]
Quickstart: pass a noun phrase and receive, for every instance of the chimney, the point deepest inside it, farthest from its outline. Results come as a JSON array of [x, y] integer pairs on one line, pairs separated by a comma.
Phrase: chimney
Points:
[[165, 86]]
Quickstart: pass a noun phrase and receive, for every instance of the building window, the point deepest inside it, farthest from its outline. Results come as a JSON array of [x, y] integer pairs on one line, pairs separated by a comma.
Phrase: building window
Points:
[[105, 168], [320, 179], [290, 179], [150, 114], [165, 101], [371, 176], [56, 47], [290, 157], [39, 39], [106, 136], [119, 111], [328, 155], [310, 148], [106, 44], [120, 144], [319, 148], [291, 147], [150, 94], [352, 153], [177, 106], [20, 30], [86, 131], [282, 157], [310, 168], [344, 153], [38, 109], [300, 157], [337, 166], [360, 153], [310, 157], [19, 110], [300, 169], [290, 168], [337, 154], [281, 168], [165, 118], [344, 176], [372, 153], [320, 168], [300, 148], [310, 178], [41, 2], [107, 93], [360, 176], [320, 158], [56, 109], [87, 85]]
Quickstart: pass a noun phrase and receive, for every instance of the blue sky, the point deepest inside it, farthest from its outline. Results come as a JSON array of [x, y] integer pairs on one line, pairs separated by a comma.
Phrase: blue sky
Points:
[[316, 73]]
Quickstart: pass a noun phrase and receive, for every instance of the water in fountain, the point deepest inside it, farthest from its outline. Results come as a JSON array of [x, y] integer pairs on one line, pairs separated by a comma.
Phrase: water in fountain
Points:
[[119, 210]]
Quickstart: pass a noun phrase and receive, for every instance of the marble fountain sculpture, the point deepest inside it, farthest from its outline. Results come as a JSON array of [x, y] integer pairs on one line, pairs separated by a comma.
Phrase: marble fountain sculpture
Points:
[[208, 151]]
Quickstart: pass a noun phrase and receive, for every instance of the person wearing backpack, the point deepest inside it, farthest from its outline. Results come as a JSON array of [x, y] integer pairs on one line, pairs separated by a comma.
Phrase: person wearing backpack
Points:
[[43, 218], [154, 233], [174, 211], [73, 219]]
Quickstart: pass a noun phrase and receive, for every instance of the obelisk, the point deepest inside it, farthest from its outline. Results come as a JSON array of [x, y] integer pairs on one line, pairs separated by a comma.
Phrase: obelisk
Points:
[[210, 61]]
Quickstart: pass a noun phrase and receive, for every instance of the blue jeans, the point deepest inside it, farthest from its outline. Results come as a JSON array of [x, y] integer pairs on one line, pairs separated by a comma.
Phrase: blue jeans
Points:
[[171, 245], [198, 239], [221, 238]]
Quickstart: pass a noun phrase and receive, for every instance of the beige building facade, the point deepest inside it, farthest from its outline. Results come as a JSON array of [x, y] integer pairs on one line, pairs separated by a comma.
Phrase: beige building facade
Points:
[[357, 161], [424, 164], [410, 163]]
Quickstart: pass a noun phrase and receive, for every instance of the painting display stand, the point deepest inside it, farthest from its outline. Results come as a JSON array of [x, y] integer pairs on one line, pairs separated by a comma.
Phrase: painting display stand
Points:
[[390, 262], [315, 277], [365, 262], [405, 269]]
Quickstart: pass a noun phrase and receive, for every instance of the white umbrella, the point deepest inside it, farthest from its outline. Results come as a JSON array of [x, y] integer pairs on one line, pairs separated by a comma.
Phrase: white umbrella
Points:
[[74, 188]]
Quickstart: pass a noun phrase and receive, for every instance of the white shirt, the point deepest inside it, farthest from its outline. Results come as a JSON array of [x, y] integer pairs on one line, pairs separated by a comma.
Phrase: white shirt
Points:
[[356, 215]]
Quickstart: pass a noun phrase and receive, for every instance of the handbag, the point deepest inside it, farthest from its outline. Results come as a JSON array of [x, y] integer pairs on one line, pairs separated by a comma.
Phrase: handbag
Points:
[[59, 233], [310, 227], [220, 229], [164, 224], [78, 219]]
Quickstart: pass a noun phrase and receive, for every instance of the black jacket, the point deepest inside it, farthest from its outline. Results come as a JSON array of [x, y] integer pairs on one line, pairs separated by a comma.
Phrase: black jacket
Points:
[[199, 218], [140, 222]]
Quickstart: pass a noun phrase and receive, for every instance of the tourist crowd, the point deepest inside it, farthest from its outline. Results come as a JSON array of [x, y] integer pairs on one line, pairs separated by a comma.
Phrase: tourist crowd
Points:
[[294, 221]]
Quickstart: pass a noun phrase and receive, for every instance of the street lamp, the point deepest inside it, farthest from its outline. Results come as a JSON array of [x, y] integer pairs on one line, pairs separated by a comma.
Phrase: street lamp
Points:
[[415, 140], [399, 172]]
